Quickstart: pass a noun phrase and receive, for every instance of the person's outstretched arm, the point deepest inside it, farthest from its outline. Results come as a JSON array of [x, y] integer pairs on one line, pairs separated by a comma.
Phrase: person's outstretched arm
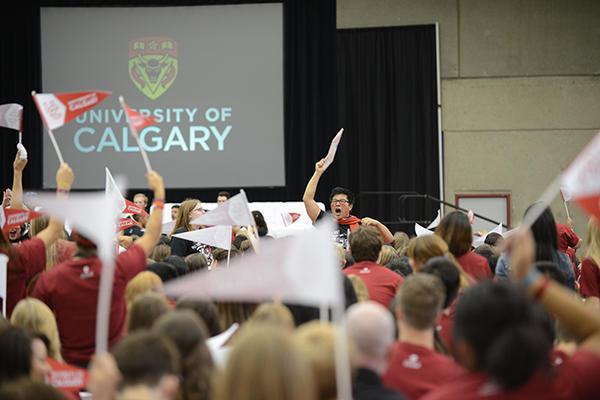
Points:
[[16, 201], [386, 235], [581, 321], [152, 234], [312, 209], [64, 180]]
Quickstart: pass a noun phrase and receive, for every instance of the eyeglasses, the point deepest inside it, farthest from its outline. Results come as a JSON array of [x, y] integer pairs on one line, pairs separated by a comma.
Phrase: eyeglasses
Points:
[[340, 201]]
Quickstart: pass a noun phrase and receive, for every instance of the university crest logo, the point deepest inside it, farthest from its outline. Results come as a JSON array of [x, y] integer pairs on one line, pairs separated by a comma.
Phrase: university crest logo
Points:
[[153, 64]]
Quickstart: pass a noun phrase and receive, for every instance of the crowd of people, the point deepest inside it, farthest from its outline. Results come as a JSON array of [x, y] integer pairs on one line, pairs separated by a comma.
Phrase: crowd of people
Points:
[[426, 317]]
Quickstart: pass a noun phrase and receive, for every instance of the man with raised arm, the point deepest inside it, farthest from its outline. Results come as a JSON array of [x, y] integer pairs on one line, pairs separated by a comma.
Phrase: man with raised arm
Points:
[[71, 288], [341, 202]]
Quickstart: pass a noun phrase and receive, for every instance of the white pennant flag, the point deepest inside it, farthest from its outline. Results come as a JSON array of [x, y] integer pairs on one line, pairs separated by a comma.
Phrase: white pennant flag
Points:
[[235, 211], [113, 193], [333, 149], [167, 227], [435, 222], [300, 269], [11, 116], [420, 231], [216, 236], [479, 240], [3, 270]]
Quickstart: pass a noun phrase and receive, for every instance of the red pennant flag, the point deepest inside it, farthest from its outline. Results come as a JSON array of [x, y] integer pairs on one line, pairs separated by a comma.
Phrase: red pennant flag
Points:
[[138, 121], [10, 218], [582, 178], [11, 116], [66, 378], [289, 218], [57, 109], [132, 208], [124, 223]]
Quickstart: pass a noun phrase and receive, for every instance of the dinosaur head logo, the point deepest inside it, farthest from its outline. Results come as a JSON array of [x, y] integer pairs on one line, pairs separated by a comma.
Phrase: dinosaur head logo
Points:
[[153, 64]]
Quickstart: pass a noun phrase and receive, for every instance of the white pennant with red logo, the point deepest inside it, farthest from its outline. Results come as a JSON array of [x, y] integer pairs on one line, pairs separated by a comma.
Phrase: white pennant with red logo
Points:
[[56, 109], [124, 223], [289, 218], [11, 116]]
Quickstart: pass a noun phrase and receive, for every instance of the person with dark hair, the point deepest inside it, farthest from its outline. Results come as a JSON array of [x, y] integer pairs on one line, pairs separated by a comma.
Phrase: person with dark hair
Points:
[[166, 271], [206, 310], [16, 354], [494, 239], [455, 229], [261, 225], [28, 258], [150, 360], [449, 274], [546, 248], [189, 334], [415, 367], [499, 336], [551, 270], [145, 309], [341, 202], [381, 283], [400, 265], [71, 288], [29, 389], [488, 252], [222, 197], [179, 263], [174, 211]]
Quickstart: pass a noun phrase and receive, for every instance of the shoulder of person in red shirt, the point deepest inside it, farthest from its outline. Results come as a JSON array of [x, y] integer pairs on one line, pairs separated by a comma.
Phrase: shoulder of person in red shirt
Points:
[[380, 281], [575, 378], [131, 262], [30, 260], [474, 265], [566, 237], [590, 278], [415, 370]]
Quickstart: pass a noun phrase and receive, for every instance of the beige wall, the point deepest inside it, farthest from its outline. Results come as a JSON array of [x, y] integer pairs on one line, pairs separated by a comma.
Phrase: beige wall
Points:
[[520, 88]]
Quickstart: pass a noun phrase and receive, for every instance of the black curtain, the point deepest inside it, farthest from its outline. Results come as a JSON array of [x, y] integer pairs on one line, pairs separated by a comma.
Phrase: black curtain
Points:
[[388, 107], [310, 107]]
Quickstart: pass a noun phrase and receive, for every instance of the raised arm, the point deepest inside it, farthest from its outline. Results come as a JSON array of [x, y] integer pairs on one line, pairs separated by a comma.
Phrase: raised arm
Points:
[[581, 321], [16, 201], [312, 209], [64, 180], [152, 234], [386, 235]]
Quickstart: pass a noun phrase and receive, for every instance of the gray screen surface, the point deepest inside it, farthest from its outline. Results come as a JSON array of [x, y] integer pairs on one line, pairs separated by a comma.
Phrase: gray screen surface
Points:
[[212, 76]]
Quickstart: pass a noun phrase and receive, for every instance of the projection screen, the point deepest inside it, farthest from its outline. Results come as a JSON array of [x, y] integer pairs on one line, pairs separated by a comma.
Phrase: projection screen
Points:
[[211, 76]]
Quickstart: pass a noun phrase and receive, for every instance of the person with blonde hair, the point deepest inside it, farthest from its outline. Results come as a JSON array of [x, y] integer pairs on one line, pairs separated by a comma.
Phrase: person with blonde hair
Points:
[[145, 310], [273, 314], [420, 249], [35, 316], [188, 211], [143, 282], [316, 341], [401, 240], [590, 266], [362, 294], [386, 254], [265, 365], [59, 251]]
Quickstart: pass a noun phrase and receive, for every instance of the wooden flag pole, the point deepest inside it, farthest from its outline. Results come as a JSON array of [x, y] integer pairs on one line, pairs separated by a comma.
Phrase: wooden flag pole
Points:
[[137, 137]]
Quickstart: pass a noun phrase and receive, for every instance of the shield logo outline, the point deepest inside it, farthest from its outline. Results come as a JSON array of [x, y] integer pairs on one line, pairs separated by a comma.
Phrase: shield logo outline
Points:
[[153, 64]]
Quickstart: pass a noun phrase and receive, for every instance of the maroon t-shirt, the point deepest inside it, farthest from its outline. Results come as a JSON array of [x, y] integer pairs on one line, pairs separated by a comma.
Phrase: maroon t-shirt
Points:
[[475, 266], [31, 260], [415, 370], [590, 278], [576, 378], [381, 282], [71, 289]]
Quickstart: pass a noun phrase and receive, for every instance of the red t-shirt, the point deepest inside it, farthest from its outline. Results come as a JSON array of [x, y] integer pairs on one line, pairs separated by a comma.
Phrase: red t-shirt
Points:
[[71, 289], [590, 278], [576, 378], [415, 370], [381, 282], [445, 325], [475, 266], [566, 237], [31, 260]]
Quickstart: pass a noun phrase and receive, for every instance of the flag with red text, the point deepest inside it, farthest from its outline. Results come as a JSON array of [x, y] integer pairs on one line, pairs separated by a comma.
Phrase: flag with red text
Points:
[[57, 109]]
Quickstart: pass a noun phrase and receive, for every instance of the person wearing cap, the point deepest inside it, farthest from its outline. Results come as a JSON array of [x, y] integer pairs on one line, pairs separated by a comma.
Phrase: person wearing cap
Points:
[[71, 288]]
